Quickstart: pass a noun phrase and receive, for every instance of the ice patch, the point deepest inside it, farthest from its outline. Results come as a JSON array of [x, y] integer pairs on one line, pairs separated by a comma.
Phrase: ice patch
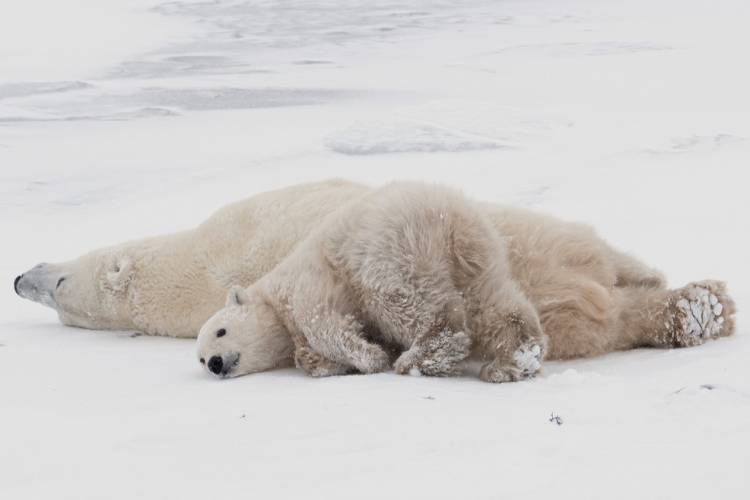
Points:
[[575, 49], [149, 112], [373, 138], [700, 143], [22, 89], [166, 101]]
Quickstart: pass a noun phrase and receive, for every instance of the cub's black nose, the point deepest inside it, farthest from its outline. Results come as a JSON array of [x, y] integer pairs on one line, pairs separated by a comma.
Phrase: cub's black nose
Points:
[[215, 364], [15, 283]]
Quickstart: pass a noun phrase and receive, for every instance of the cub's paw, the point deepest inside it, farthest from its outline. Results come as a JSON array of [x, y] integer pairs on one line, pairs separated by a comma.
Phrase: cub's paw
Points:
[[526, 362], [702, 310], [496, 373], [408, 361], [316, 365], [373, 359], [439, 355]]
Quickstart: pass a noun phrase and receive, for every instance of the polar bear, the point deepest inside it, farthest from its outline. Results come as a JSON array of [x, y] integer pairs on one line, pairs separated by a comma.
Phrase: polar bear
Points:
[[425, 270], [171, 285], [420, 265]]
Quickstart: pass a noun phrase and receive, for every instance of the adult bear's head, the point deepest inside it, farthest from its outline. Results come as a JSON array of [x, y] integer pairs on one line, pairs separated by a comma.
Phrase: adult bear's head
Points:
[[89, 292]]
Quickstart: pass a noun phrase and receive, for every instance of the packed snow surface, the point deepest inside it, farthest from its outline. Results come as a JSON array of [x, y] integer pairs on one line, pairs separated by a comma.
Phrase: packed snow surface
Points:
[[126, 118]]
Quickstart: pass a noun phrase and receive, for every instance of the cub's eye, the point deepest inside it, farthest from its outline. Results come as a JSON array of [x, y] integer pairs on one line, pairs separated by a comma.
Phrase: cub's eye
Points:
[[203, 361], [59, 282], [221, 333]]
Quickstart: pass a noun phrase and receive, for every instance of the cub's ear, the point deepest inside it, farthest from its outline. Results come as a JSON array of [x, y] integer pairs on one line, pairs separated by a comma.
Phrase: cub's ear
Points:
[[237, 296], [119, 274]]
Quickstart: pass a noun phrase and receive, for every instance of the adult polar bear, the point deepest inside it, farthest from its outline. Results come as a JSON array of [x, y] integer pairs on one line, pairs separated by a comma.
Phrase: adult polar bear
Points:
[[582, 288]]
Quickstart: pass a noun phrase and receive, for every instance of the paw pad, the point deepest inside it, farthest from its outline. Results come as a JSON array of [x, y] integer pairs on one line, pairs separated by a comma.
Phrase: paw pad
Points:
[[528, 358], [700, 314]]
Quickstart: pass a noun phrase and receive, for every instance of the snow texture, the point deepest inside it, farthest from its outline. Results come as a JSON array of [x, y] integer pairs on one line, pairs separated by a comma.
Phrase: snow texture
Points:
[[127, 118]]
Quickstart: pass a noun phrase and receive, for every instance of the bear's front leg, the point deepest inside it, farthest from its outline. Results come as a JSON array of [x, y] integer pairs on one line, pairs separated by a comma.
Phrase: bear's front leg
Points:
[[316, 365], [513, 342], [436, 354], [340, 338]]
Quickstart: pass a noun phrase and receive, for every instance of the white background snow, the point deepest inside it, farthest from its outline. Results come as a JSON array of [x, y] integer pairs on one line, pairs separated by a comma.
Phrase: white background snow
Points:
[[126, 118]]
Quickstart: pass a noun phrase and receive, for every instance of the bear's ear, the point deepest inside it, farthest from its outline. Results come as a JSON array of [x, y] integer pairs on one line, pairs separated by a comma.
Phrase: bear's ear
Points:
[[237, 296], [119, 273]]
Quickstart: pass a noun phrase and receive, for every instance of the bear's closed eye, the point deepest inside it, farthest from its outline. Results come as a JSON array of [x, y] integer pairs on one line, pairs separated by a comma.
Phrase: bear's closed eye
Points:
[[221, 332]]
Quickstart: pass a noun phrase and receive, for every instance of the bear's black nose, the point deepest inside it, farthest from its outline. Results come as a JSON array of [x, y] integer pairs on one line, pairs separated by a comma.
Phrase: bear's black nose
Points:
[[15, 283], [215, 364]]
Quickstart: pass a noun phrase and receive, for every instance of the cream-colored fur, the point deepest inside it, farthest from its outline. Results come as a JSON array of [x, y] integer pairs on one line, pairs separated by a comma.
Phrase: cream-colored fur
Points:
[[585, 293], [430, 272], [170, 285]]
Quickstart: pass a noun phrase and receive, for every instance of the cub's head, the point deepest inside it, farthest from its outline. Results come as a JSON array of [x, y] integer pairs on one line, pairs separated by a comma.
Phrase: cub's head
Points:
[[244, 337]]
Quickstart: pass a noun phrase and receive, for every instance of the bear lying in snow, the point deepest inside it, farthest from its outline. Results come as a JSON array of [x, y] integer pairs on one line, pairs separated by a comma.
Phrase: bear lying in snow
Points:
[[422, 269], [581, 288], [170, 285]]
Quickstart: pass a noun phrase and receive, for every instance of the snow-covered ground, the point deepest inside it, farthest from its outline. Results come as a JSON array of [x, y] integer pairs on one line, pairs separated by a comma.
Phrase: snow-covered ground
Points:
[[126, 118]]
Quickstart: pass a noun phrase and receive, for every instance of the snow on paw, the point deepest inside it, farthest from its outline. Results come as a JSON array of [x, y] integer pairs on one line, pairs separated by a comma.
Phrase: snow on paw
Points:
[[443, 353], [528, 358], [438, 355], [703, 310], [526, 362]]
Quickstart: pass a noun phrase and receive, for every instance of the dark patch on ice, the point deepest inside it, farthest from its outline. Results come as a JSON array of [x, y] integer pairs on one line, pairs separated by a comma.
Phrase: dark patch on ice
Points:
[[555, 419], [235, 98], [429, 398], [696, 143], [23, 89], [197, 59], [162, 101], [702, 387], [711, 142], [311, 62], [183, 65]]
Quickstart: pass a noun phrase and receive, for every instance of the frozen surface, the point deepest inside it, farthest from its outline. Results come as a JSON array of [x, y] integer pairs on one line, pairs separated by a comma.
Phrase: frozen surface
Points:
[[121, 119]]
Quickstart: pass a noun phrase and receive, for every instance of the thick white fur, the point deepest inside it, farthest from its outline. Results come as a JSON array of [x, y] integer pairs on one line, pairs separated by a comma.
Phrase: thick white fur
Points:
[[170, 285], [419, 266], [584, 291], [426, 270]]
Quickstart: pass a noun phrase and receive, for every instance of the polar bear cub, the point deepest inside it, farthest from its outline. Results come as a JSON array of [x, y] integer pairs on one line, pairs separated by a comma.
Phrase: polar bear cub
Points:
[[417, 267]]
